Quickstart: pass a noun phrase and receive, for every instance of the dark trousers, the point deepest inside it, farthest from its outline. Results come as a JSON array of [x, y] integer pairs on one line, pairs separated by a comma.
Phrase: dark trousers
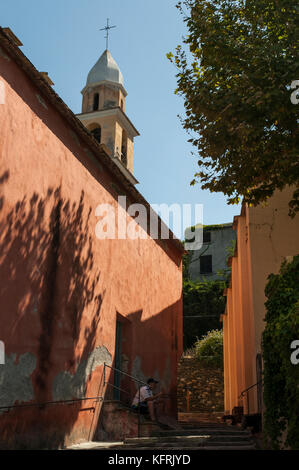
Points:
[[142, 407]]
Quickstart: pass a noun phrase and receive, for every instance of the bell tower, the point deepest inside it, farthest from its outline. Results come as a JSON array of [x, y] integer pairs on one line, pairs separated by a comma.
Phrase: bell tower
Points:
[[103, 112]]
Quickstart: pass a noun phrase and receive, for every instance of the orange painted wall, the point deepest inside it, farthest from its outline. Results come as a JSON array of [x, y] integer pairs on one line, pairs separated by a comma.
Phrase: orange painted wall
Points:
[[265, 236], [61, 287]]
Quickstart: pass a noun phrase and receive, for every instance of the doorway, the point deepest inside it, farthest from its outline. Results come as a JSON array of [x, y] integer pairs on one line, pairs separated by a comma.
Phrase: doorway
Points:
[[117, 360]]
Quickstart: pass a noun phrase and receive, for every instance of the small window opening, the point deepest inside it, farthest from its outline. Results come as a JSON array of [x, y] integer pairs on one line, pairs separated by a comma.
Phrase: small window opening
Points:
[[96, 102], [124, 158], [206, 237], [206, 264], [97, 134]]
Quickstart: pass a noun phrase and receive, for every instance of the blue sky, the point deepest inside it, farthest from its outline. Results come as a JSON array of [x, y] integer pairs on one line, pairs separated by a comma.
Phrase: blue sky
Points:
[[62, 37]]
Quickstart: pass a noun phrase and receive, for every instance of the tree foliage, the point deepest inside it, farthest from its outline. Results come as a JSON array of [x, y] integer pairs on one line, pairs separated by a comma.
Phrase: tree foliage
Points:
[[203, 303], [281, 376], [235, 75], [209, 350]]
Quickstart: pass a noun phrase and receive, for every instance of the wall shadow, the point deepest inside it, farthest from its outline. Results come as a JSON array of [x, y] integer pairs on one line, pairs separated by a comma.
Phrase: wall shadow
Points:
[[47, 281], [150, 348]]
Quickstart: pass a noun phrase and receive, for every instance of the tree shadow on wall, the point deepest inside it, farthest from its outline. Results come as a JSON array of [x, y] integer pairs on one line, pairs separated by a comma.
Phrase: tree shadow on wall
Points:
[[51, 307]]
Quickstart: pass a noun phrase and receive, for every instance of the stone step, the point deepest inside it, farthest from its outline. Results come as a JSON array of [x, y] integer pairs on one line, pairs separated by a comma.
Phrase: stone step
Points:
[[190, 440], [200, 432], [196, 416], [184, 445], [200, 424], [141, 445], [191, 448]]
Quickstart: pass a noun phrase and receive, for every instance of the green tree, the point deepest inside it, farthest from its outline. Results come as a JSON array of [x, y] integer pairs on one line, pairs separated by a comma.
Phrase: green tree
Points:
[[203, 303], [235, 76], [209, 350]]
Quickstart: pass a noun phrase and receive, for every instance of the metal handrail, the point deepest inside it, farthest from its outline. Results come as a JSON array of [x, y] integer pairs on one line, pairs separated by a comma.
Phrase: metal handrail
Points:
[[114, 386], [73, 400], [124, 373], [248, 388], [246, 392]]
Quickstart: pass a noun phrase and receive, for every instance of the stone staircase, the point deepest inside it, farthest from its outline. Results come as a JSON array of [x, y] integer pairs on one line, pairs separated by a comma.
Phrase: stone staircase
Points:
[[203, 437], [209, 436], [118, 422]]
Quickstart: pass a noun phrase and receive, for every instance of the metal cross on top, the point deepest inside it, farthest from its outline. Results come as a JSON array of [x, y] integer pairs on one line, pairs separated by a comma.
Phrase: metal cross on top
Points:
[[107, 31]]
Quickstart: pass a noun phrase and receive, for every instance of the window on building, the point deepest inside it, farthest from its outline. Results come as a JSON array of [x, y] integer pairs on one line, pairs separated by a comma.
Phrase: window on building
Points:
[[95, 102], [205, 264], [206, 236], [97, 134]]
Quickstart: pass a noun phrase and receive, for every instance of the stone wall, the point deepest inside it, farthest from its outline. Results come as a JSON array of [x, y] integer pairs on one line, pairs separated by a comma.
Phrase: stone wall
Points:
[[206, 386]]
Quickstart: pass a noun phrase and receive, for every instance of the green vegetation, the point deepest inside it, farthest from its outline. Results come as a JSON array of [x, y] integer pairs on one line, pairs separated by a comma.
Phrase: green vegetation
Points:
[[212, 227], [235, 78], [209, 350], [281, 377], [205, 302], [202, 299]]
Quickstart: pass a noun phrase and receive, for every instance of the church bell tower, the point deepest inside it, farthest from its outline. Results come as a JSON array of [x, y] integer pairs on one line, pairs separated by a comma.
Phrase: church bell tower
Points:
[[103, 112]]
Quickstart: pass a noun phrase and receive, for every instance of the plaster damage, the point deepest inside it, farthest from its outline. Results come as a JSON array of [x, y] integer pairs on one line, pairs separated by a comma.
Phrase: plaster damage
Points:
[[67, 385], [15, 379]]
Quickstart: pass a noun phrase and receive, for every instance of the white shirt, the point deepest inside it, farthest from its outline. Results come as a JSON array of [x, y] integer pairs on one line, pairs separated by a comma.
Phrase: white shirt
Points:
[[145, 392]]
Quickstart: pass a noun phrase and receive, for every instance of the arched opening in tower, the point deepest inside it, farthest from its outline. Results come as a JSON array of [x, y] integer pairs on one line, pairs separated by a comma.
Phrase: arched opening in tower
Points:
[[95, 102], [96, 132], [124, 158]]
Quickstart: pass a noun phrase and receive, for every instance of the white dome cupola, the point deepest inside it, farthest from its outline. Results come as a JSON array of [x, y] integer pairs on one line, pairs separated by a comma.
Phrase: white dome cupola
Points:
[[105, 70]]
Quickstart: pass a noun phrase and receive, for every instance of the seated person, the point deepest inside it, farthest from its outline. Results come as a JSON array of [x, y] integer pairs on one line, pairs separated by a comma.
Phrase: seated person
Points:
[[147, 398]]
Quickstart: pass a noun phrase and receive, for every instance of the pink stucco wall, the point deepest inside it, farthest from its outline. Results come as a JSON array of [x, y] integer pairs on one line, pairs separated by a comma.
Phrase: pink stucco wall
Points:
[[61, 287], [266, 235]]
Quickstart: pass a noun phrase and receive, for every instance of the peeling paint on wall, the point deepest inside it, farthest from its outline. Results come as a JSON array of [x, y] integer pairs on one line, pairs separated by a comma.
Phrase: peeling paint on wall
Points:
[[67, 385], [15, 380]]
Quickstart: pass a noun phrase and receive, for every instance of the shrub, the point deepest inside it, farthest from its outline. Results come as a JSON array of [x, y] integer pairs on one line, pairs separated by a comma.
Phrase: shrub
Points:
[[205, 302], [281, 377], [209, 350]]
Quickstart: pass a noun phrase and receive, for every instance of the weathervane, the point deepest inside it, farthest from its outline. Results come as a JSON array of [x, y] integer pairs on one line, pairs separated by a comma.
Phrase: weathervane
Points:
[[107, 31]]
